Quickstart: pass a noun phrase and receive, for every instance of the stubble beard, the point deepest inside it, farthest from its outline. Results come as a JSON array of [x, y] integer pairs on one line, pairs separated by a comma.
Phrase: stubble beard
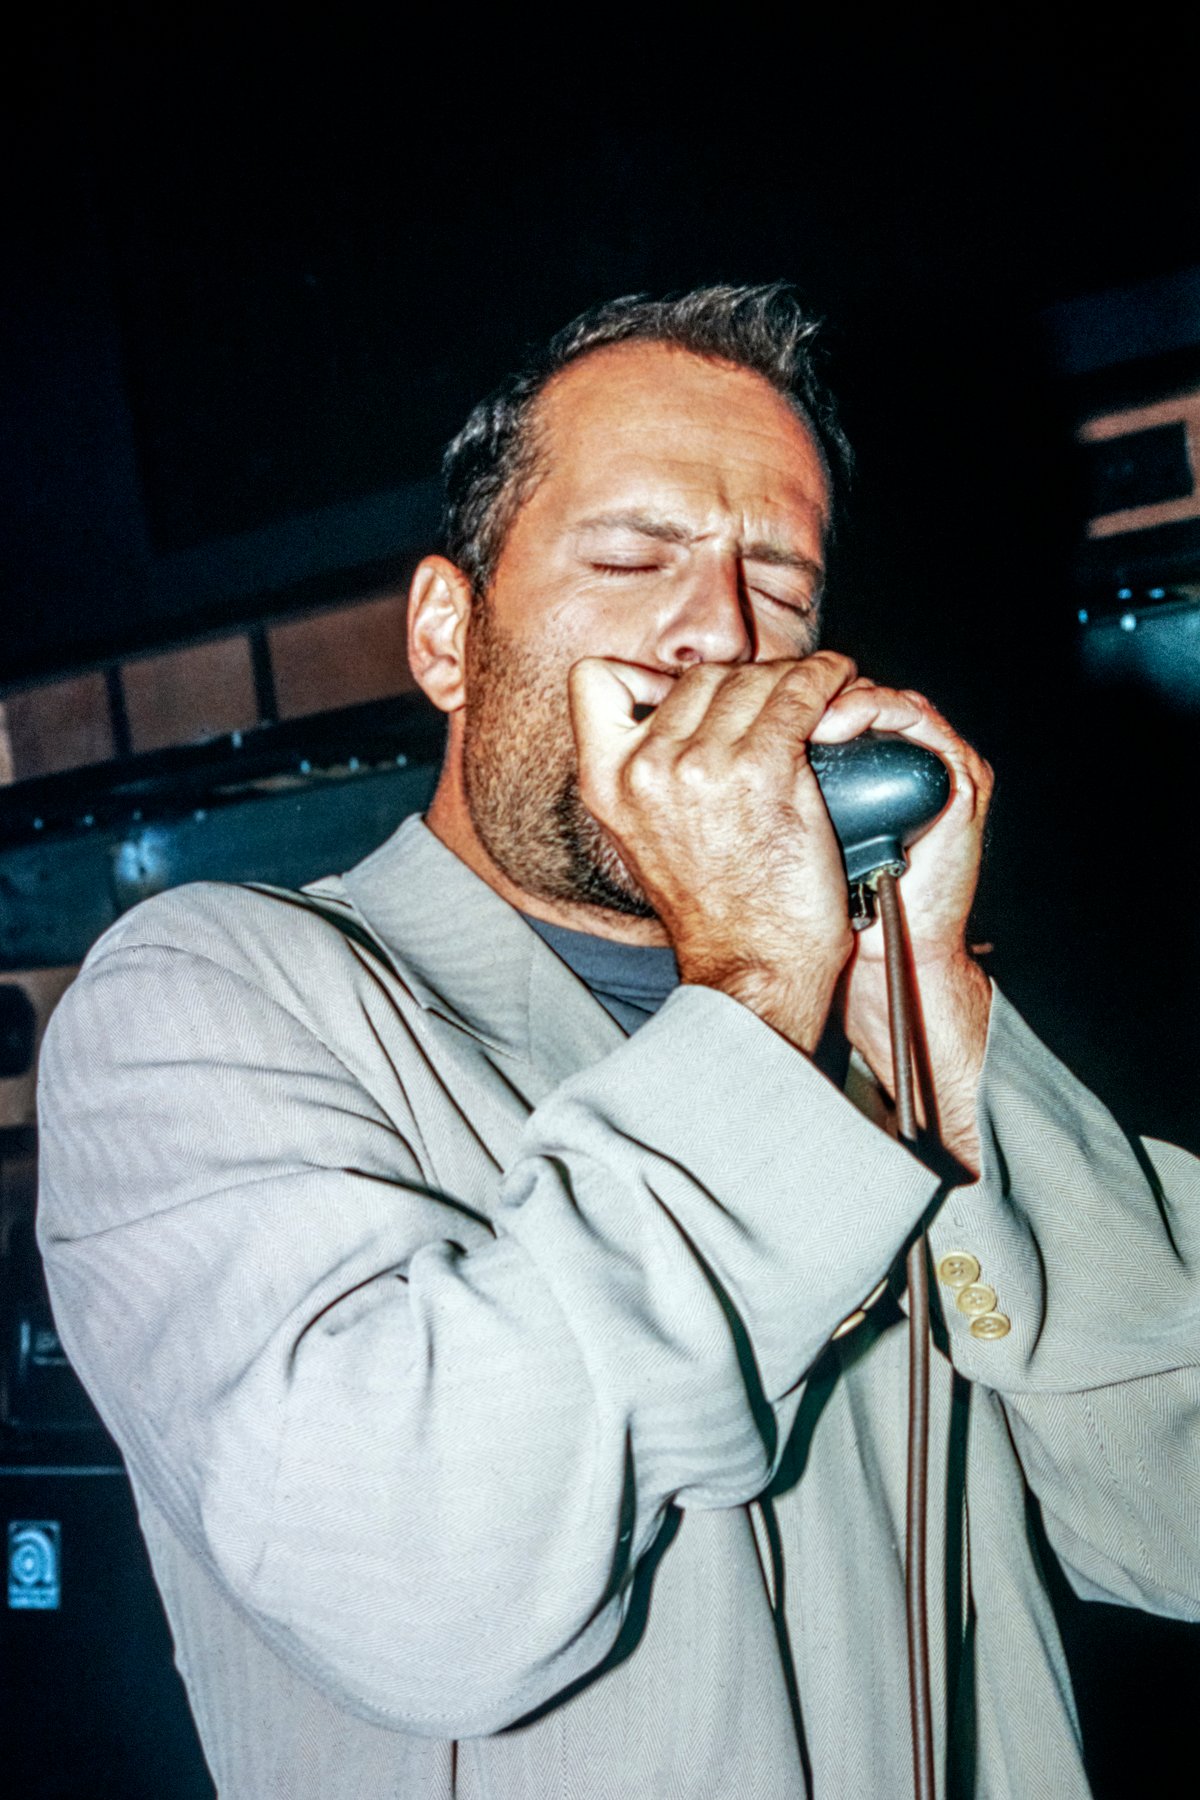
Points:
[[521, 774]]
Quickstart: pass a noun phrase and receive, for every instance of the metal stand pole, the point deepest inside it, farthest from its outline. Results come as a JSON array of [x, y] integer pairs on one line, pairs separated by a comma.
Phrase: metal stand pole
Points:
[[901, 1027]]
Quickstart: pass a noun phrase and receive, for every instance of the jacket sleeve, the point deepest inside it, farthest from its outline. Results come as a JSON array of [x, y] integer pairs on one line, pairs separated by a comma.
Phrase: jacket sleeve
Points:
[[422, 1439], [1091, 1243]]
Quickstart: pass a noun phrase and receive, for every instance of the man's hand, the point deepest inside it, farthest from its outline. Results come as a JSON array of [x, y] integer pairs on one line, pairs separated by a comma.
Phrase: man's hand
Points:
[[714, 809], [936, 894]]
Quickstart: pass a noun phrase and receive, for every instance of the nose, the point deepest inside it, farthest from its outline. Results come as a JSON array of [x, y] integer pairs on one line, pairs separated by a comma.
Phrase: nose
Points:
[[708, 619]]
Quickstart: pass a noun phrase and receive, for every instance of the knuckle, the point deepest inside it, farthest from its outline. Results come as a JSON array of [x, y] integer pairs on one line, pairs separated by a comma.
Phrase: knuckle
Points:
[[640, 778], [694, 766], [834, 667], [800, 678]]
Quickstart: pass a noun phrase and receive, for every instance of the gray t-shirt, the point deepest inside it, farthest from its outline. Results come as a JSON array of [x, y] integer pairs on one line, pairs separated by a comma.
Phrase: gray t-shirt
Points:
[[630, 981]]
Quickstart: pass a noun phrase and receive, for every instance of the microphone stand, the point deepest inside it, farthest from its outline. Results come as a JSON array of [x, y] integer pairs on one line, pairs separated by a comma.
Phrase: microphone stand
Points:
[[882, 791], [900, 1021]]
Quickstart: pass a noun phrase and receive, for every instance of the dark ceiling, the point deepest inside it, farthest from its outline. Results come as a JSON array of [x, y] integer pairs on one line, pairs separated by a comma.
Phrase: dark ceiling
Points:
[[261, 270]]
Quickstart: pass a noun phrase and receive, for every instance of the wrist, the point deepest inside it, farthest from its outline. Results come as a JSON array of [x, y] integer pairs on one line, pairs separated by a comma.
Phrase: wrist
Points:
[[953, 1004], [794, 1002]]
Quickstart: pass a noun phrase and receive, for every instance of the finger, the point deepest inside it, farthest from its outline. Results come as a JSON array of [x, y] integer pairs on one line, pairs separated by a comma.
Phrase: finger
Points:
[[911, 715], [685, 708], [721, 701], [874, 708], [797, 703], [972, 774], [724, 700], [603, 696], [867, 707]]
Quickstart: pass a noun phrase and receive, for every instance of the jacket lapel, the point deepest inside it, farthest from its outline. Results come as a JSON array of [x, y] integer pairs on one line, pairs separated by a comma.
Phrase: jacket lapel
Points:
[[471, 961]]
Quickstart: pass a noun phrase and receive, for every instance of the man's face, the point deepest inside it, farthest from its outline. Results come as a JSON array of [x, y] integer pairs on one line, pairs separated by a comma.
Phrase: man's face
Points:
[[680, 519]]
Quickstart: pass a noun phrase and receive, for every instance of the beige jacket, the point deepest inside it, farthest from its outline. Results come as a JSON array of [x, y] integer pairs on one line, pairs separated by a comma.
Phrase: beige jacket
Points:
[[473, 1364]]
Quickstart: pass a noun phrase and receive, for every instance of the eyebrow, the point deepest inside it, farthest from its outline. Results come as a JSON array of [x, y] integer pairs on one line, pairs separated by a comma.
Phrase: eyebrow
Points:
[[670, 531]]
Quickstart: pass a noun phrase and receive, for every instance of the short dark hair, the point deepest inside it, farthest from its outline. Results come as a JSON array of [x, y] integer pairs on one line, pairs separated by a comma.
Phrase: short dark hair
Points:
[[492, 466]]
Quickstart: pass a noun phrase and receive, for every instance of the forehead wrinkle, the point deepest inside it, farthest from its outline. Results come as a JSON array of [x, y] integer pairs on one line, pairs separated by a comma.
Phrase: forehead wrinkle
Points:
[[668, 531]]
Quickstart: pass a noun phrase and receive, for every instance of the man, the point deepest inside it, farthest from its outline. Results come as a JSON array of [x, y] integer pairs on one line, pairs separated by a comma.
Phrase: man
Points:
[[506, 1342]]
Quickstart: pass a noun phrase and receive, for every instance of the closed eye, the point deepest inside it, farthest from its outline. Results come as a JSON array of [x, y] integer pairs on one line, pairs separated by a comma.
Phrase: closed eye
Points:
[[802, 608], [603, 568]]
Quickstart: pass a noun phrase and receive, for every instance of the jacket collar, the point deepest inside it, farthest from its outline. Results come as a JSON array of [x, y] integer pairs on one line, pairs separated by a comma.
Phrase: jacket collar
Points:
[[469, 956]]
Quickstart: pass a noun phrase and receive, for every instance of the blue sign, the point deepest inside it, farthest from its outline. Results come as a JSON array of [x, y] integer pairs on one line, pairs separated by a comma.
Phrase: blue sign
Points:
[[34, 1564]]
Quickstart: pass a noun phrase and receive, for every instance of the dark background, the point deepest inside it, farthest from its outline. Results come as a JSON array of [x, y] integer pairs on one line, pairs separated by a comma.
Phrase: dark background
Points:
[[260, 270]]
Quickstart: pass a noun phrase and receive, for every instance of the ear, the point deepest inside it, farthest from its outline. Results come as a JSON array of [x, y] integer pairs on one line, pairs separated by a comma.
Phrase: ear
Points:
[[439, 610]]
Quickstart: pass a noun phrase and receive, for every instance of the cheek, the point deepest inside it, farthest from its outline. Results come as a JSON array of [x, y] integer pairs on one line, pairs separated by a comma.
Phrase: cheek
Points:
[[783, 638], [590, 621]]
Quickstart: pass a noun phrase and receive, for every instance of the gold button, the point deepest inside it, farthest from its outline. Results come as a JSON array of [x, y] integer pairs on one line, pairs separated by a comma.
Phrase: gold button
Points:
[[856, 1318], [958, 1268], [975, 1299], [991, 1325], [876, 1293]]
